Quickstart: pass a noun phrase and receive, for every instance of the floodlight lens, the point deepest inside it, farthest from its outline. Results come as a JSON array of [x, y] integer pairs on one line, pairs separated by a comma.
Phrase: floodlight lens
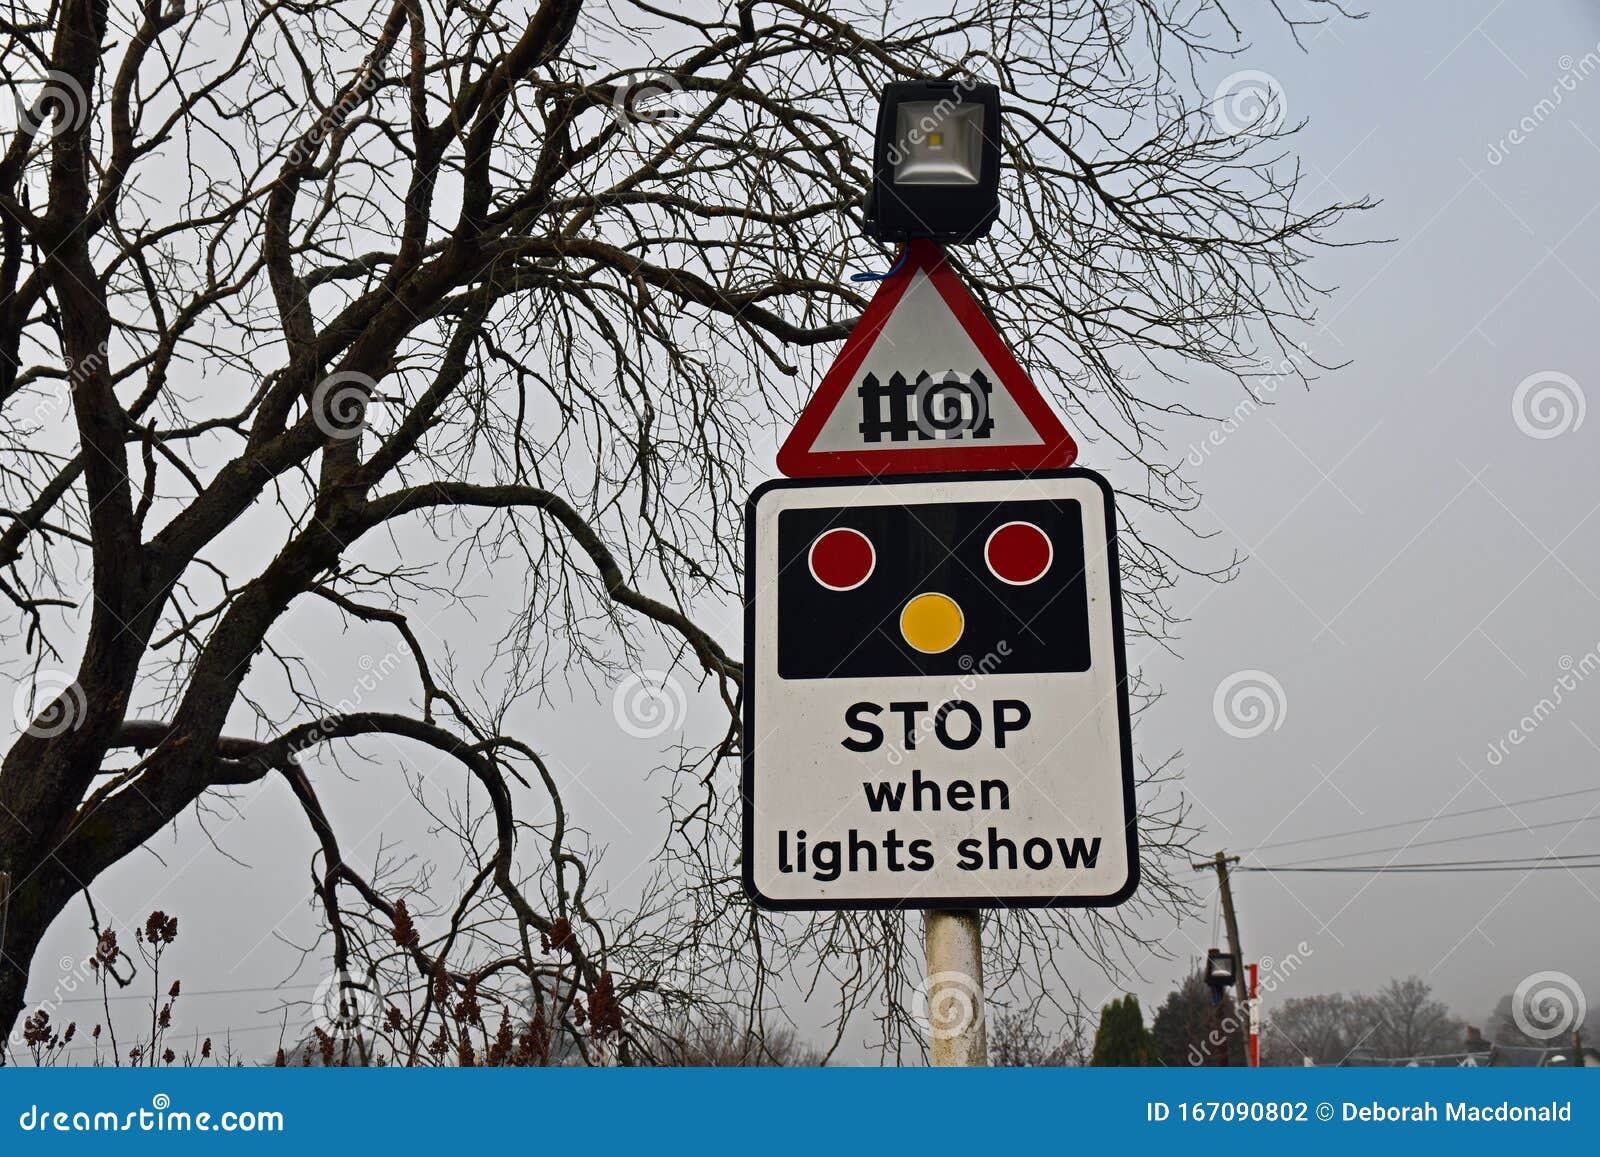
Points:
[[939, 143], [1219, 968]]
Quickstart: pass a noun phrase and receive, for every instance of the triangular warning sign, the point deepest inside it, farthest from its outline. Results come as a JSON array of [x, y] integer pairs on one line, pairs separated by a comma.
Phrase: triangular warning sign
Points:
[[923, 385]]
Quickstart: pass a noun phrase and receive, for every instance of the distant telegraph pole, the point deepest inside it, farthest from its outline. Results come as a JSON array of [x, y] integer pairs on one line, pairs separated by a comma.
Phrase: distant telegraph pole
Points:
[[1230, 920]]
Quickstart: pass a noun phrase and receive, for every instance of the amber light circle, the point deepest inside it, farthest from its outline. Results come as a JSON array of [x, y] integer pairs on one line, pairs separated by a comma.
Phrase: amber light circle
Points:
[[1018, 553], [842, 559], [932, 623]]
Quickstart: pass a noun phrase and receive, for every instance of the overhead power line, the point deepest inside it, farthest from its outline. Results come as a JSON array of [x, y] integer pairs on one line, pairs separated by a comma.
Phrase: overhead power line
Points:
[[1569, 822], [1552, 857], [1397, 869], [188, 994], [1572, 862], [1420, 820]]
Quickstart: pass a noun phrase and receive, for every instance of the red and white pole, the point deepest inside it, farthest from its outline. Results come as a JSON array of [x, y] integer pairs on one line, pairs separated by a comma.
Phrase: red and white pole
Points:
[[1255, 1019]]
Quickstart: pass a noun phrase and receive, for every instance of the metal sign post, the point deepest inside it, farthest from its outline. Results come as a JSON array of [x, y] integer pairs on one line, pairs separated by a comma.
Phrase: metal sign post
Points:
[[954, 946]]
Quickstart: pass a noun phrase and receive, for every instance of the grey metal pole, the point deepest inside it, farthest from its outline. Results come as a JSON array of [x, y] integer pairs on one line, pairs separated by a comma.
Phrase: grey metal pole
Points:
[[955, 988]]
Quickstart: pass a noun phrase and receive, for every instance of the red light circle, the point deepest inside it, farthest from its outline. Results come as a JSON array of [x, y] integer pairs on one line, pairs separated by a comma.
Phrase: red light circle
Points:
[[1018, 553], [842, 559]]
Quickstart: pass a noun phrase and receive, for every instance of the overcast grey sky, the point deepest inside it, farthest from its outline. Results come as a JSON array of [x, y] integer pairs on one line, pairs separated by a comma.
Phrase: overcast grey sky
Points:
[[1422, 567], [1421, 570]]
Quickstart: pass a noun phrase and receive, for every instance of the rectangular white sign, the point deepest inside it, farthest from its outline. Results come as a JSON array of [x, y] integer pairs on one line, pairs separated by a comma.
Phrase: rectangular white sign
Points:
[[936, 695]]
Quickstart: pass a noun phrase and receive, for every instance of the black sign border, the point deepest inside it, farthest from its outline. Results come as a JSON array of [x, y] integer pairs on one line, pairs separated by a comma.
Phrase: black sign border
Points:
[[1124, 717]]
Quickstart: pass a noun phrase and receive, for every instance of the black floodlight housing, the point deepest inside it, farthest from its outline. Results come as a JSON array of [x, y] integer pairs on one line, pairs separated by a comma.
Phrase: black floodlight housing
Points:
[[1220, 969], [936, 163]]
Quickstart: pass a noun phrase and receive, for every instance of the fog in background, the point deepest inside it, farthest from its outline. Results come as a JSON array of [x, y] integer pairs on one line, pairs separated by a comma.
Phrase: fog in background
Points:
[[1421, 566], [1422, 538]]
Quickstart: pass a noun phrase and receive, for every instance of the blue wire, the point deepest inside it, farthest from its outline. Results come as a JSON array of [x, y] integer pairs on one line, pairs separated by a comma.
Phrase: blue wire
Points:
[[904, 253]]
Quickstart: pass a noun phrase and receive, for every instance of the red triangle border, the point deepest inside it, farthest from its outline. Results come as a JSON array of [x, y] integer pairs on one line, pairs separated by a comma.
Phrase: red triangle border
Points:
[[1056, 448]]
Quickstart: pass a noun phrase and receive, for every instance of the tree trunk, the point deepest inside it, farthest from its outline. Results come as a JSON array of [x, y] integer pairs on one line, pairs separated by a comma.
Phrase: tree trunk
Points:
[[30, 908]]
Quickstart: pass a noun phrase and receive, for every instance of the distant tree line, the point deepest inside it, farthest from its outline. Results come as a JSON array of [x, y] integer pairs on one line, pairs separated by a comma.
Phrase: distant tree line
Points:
[[1401, 1020]]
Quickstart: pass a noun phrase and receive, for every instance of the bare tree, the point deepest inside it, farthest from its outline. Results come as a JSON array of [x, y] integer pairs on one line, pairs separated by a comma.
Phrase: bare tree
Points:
[[1399, 1021], [721, 1042], [1017, 1039], [1324, 1028], [1505, 1029], [1408, 1022], [302, 302]]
